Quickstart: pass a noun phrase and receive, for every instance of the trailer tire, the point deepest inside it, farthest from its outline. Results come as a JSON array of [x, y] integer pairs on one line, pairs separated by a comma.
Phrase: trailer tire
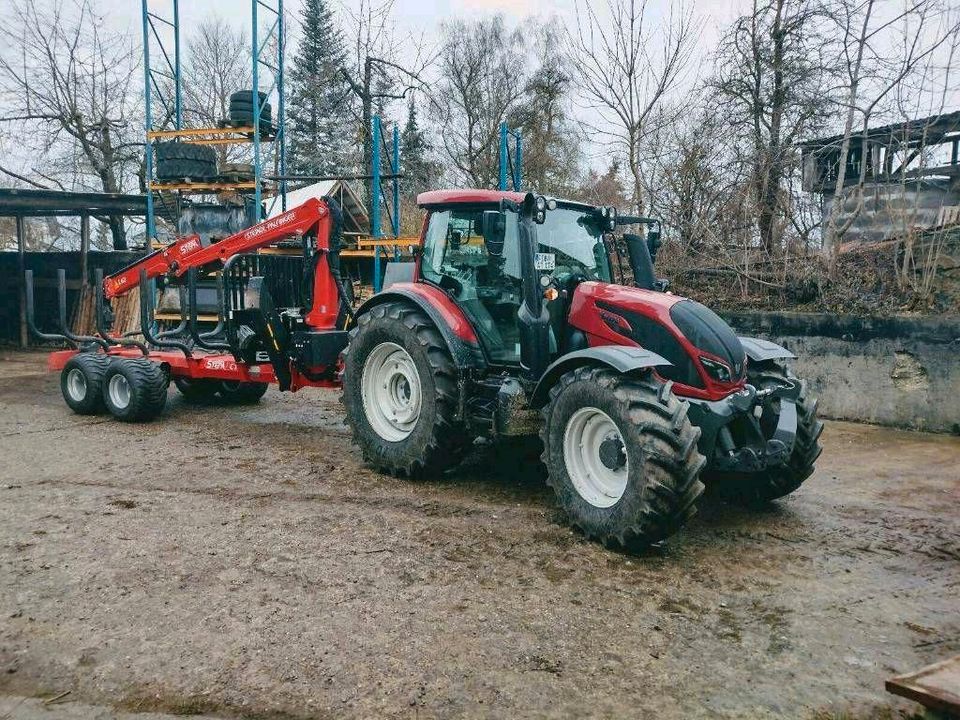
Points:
[[424, 436], [81, 382], [135, 390], [198, 390], [621, 456], [760, 488], [235, 392]]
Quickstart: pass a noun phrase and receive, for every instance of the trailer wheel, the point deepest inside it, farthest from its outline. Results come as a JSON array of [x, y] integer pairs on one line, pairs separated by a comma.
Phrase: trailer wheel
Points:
[[621, 456], [400, 393], [81, 382], [196, 389], [235, 392], [135, 390], [759, 488]]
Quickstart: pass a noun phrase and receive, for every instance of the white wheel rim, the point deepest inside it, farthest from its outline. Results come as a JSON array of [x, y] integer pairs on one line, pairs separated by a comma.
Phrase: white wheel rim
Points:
[[391, 392], [599, 479], [119, 390], [76, 384]]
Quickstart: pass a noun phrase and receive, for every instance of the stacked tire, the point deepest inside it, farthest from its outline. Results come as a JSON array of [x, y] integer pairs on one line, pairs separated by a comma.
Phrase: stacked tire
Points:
[[180, 161], [241, 109]]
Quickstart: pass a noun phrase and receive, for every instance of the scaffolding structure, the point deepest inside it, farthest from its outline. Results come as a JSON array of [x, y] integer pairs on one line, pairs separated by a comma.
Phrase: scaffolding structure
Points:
[[163, 85]]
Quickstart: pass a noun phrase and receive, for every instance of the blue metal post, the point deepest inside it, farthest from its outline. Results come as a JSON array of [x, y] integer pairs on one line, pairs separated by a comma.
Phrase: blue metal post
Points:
[[517, 162], [503, 156], [178, 100], [281, 107], [375, 191], [255, 103], [148, 123], [395, 170]]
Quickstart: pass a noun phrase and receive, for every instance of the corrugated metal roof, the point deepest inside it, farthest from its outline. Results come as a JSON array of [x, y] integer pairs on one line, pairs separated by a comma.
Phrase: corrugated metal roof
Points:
[[355, 218]]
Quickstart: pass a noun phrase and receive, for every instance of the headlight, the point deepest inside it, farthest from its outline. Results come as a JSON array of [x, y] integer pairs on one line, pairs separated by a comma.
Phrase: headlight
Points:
[[717, 370], [541, 203]]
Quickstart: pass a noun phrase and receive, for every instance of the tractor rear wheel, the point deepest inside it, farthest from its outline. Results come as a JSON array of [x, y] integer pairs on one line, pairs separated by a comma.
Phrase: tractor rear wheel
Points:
[[400, 393], [81, 382], [762, 487], [621, 456], [135, 390]]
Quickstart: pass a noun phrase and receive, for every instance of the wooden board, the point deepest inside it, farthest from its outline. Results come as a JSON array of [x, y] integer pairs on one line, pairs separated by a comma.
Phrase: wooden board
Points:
[[936, 686]]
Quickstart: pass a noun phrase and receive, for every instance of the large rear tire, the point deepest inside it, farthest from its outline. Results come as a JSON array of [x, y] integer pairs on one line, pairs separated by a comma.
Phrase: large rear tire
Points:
[[759, 488], [400, 393], [621, 456]]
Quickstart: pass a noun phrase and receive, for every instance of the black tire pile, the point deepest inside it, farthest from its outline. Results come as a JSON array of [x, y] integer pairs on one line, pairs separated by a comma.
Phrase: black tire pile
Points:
[[241, 109], [185, 161]]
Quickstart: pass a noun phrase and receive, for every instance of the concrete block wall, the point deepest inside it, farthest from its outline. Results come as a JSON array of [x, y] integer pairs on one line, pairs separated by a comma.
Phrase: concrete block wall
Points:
[[898, 371]]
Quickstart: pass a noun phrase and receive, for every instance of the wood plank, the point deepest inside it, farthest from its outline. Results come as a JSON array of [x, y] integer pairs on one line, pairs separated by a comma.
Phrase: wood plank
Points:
[[936, 686], [196, 132]]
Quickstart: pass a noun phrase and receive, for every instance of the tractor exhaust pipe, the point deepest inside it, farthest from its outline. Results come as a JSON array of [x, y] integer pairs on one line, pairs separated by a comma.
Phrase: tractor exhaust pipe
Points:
[[640, 262]]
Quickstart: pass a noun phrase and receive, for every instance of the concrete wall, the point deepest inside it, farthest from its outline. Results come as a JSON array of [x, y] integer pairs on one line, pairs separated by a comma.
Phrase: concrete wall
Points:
[[898, 371]]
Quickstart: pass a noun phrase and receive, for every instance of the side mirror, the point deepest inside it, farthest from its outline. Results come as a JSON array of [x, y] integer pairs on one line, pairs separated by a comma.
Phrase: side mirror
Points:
[[493, 228]]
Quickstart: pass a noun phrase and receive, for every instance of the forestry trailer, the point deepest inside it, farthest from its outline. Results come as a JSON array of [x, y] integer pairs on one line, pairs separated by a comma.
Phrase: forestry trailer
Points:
[[507, 325]]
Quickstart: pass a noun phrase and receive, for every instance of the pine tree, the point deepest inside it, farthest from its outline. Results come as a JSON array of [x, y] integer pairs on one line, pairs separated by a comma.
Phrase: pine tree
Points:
[[319, 113], [418, 168]]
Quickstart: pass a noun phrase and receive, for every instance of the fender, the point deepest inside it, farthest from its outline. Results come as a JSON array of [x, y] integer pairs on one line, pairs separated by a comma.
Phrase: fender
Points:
[[622, 358], [453, 325], [759, 350]]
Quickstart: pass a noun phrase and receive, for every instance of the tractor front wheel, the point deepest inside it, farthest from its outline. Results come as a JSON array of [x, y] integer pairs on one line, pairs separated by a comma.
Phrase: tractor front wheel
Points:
[[621, 456], [758, 488], [400, 393]]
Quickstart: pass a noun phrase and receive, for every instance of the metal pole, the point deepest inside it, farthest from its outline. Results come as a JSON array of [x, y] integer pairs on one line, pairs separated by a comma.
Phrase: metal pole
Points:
[[517, 162], [22, 281], [178, 103], [395, 169], [281, 107], [255, 102], [84, 248], [503, 156], [375, 201], [148, 123]]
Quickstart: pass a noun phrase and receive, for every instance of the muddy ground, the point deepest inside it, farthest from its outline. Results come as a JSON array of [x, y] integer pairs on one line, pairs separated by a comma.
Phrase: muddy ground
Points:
[[243, 562]]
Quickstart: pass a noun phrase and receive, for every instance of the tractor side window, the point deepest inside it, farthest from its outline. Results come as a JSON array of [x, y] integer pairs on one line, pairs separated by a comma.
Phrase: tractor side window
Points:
[[487, 287]]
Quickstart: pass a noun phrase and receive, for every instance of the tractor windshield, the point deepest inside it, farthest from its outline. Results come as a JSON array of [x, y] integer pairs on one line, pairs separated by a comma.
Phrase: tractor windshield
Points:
[[486, 281]]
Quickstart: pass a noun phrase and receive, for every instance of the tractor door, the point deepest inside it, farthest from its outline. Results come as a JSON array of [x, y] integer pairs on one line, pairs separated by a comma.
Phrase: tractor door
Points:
[[484, 281]]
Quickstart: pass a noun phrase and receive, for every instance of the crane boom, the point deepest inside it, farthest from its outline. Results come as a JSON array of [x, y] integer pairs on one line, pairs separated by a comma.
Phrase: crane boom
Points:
[[188, 252]]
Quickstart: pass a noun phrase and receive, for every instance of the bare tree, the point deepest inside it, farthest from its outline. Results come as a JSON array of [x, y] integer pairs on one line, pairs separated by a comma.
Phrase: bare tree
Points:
[[217, 65], [64, 72], [879, 52], [551, 141], [770, 81], [377, 75], [481, 79], [625, 64]]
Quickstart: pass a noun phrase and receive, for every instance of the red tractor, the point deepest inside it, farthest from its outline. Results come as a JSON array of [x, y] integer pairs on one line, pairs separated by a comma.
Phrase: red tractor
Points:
[[507, 325]]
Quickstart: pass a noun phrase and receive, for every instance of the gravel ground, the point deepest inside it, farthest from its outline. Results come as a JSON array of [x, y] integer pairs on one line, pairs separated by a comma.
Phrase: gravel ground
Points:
[[243, 562]]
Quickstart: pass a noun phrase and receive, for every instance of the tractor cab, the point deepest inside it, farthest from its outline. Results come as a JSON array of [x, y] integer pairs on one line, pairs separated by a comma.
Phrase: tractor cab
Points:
[[472, 249]]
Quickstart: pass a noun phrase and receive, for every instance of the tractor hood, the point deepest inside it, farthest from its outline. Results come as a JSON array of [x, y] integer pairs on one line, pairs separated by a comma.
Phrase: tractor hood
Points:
[[704, 351]]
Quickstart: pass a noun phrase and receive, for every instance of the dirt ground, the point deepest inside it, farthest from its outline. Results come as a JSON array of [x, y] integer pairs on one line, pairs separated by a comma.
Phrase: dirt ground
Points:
[[243, 562]]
